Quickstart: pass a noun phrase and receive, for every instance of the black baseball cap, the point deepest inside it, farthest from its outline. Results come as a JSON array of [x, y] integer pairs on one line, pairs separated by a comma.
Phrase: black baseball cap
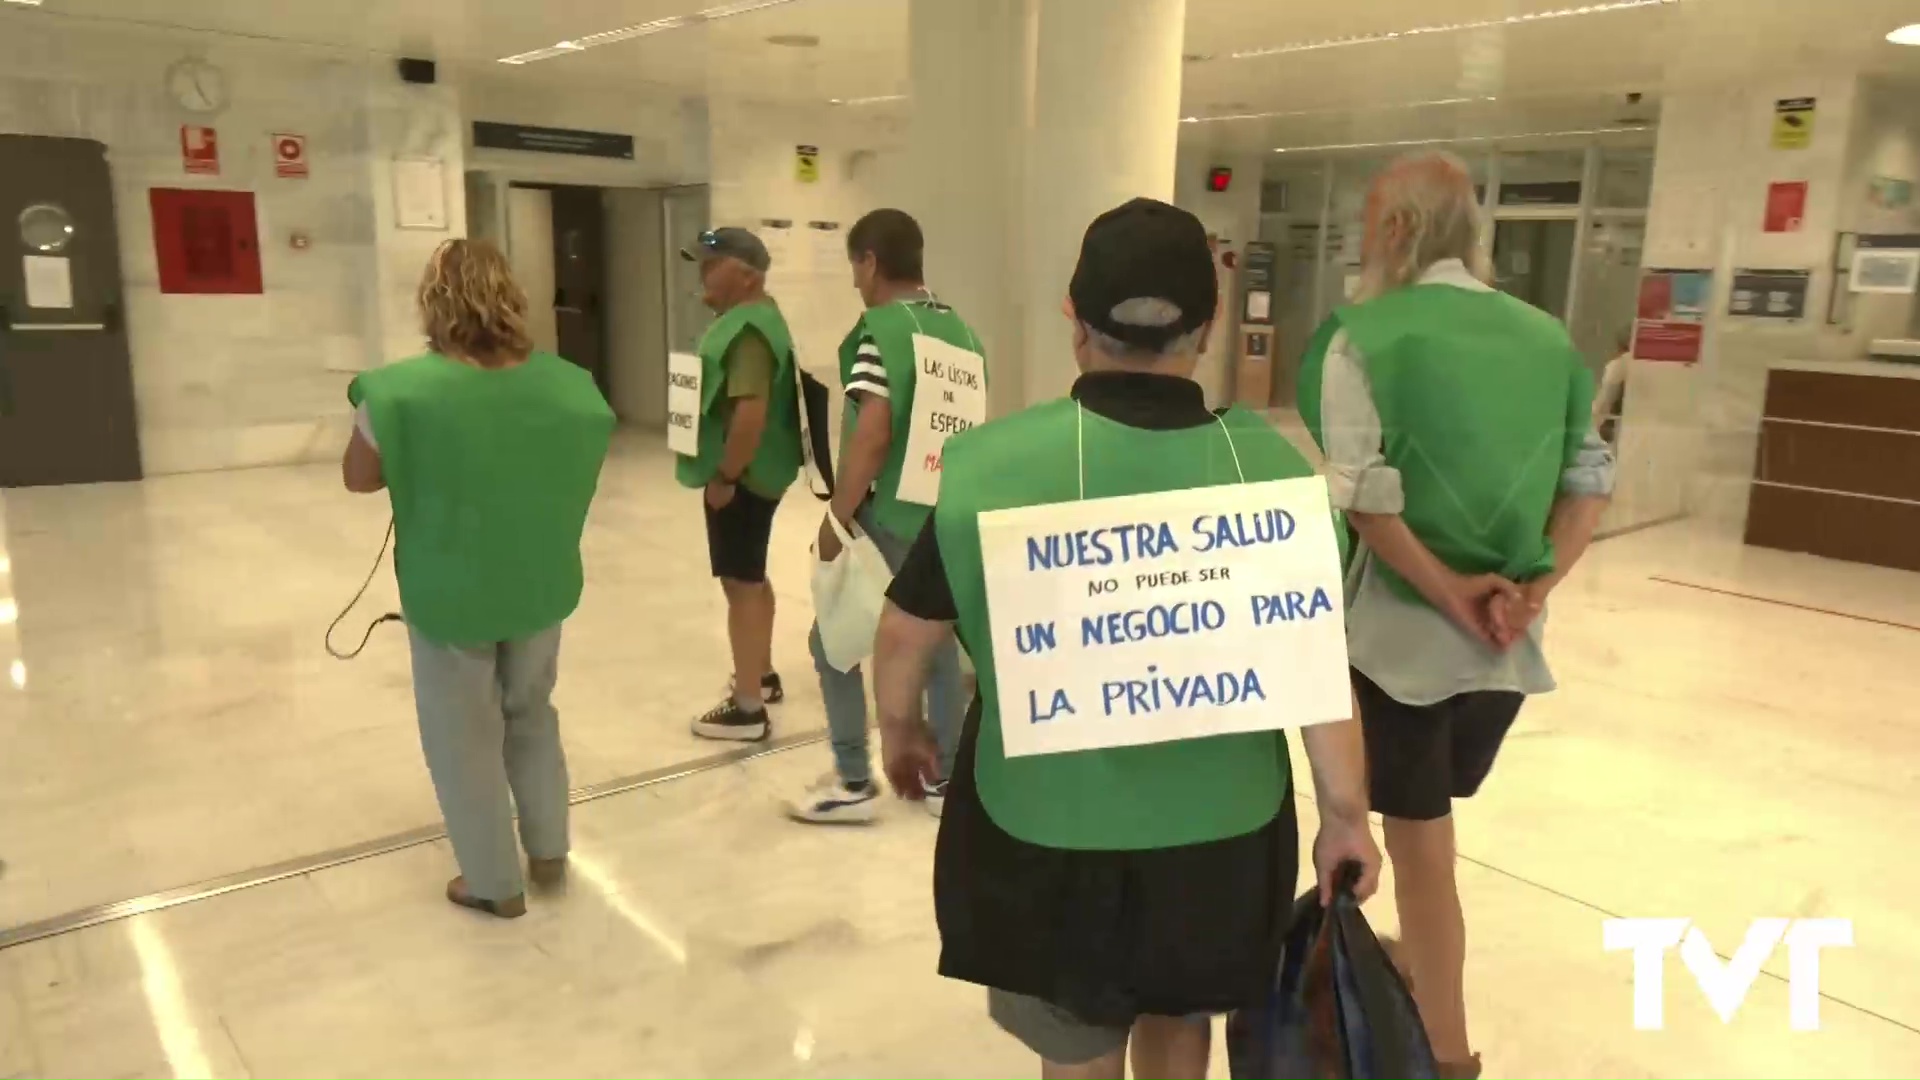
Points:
[[730, 243], [1137, 253]]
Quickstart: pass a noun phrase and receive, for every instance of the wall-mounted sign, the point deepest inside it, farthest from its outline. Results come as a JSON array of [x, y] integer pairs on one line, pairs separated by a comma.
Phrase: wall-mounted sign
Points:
[[1885, 263], [1671, 323], [1541, 193], [1890, 193], [1769, 294], [1256, 283], [806, 164], [1786, 206], [290, 156], [199, 150], [546, 140], [1793, 123]]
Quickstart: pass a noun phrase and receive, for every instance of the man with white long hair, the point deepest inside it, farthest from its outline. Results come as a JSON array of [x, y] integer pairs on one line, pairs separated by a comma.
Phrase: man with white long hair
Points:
[[1457, 429]]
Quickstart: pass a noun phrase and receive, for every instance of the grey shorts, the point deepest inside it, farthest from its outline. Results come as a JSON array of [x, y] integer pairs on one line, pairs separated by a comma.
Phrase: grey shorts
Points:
[[1054, 1033]]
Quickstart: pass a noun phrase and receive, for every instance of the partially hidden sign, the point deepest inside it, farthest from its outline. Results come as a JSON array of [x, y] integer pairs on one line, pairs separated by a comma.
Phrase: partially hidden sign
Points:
[[1177, 615], [199, 150], [949, 396], [683, 403]]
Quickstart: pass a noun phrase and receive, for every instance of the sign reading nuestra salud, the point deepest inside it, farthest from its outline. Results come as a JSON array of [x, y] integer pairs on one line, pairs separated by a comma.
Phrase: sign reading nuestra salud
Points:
[[683, 403], [1176, 615]]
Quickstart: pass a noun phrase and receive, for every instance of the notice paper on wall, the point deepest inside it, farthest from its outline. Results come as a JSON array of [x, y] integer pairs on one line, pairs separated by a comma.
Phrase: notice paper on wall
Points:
[[1177, 615], [829, 247], [419, 193], [1671, 323], [49, 281]]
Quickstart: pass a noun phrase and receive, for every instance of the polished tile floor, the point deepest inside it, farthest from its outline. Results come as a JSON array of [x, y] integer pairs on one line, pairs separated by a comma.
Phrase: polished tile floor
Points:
[[170, 717]]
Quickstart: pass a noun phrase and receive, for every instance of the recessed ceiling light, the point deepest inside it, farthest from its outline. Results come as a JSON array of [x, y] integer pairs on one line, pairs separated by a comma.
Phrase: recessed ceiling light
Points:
[[880, 100], [638, 30], [1450, 28], [25, 3], [1906, 35], [1460, 139]]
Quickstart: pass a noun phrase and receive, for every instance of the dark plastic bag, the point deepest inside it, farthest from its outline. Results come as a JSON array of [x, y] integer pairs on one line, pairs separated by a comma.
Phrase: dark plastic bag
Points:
[[1338, 1008]]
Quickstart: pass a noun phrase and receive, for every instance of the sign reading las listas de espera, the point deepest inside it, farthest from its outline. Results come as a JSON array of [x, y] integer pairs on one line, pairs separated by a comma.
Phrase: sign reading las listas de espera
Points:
[[1176, 615]]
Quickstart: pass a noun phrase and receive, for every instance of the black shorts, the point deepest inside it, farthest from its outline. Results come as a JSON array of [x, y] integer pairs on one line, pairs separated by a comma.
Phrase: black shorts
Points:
[[1422, 757], [738, 534]]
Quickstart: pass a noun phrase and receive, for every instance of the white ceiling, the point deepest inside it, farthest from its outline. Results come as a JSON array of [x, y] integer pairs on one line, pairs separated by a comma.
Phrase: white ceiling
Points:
[[1549, 75]]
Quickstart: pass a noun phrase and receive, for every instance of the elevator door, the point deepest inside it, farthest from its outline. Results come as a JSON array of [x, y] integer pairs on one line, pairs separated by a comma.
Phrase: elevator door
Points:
[[1533, 260], [66, 382]]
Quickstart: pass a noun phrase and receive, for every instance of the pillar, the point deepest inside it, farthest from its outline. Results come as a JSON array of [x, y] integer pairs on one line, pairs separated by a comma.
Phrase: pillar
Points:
[[1031, 117]]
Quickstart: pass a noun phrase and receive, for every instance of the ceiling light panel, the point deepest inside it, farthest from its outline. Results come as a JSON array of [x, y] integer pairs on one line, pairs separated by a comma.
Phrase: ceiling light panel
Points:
[[1603, 8], [640, 30], [1906, 35]]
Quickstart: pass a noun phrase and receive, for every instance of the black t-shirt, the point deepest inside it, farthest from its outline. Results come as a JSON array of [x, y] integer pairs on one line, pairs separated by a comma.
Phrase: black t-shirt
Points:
[[1136, 399]]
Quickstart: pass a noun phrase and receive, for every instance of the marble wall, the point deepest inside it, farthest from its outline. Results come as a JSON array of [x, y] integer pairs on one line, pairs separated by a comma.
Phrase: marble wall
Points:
[[237, 381], [1691, 432], [752, 164]]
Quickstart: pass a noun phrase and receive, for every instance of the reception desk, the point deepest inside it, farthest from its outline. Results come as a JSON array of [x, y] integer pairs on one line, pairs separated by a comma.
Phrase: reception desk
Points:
[[1838, 468]]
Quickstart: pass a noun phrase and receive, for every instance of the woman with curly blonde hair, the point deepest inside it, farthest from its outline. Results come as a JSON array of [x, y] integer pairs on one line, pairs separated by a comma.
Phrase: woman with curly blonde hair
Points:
[[490, 453]]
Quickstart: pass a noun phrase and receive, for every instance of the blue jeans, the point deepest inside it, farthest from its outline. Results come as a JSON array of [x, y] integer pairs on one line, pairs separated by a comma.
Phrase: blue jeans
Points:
[[845, 692], [492, 741]]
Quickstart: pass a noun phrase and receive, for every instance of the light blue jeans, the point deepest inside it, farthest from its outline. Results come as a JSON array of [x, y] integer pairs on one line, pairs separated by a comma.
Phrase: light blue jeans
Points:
[[845, 692], [490, 731]]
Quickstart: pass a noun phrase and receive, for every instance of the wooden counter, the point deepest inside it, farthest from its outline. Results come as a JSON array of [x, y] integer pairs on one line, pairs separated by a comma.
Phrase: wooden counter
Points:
[[1838, 468]]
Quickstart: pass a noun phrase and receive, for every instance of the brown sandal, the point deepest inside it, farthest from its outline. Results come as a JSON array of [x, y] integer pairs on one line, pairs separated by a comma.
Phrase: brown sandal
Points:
[[510, 908]]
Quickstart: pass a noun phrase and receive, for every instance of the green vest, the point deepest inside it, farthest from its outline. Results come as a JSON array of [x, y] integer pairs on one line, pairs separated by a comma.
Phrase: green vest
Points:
[[1483, 399], [777, 462], [491, 473], [1126, 798], [892, 327]]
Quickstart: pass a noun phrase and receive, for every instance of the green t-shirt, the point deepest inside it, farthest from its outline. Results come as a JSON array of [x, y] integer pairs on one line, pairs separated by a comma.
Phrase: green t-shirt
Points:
[[490, 472]]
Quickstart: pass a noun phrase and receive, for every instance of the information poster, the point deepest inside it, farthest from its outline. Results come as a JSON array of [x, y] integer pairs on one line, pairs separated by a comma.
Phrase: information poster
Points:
[[806, 164], [1178, 615], [1671, 323], [1793, 123], [1786, 206], [1769, 294], [949, 396], [683, 403]]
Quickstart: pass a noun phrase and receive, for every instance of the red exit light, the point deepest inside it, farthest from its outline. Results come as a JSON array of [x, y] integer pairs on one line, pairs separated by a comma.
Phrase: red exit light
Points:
[[1219, 178]]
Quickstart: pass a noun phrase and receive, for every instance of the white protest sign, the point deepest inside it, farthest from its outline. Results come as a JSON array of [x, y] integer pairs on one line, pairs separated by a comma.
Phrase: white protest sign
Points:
[[949, 396], [1177, 615], [683, 403]]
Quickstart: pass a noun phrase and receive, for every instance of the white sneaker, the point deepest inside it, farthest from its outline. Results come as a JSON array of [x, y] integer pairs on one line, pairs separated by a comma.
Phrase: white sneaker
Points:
[[830, 802], [936, 800]]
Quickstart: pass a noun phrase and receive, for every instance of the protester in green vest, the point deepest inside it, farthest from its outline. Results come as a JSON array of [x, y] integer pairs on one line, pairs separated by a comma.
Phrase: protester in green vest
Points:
[[1457, 426], [749, 454], [1108, 896], [490, 453], [874, 492]]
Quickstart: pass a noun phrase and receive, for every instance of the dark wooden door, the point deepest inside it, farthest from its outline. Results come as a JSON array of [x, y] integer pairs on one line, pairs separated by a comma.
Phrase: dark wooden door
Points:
[[580, 279], [66, 382]]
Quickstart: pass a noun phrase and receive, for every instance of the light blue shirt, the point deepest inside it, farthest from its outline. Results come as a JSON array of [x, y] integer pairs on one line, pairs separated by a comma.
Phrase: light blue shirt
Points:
[[1409, 649]]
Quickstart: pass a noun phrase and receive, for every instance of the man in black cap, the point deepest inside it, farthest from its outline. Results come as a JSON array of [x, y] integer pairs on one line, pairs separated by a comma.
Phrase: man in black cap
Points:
[[1122, 884], [741, 448]]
